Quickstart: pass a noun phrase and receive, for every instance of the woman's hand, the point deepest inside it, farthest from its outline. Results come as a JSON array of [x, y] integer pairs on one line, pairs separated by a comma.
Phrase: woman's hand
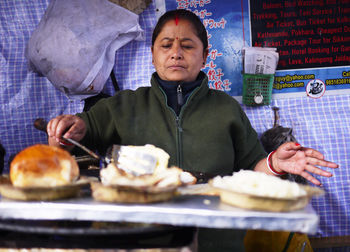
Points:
[[68, 126], [293, 158]]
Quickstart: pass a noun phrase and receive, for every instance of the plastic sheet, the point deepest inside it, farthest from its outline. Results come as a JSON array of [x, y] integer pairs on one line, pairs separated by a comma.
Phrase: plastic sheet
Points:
[[75, 42]]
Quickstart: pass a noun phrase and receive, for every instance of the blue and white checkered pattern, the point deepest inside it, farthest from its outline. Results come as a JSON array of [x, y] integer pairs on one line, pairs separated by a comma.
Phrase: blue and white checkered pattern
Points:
[[323, 124]]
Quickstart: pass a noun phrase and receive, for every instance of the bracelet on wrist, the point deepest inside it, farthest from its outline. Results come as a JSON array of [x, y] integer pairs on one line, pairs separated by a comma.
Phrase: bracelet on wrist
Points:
[[269, 165], [64, 143]]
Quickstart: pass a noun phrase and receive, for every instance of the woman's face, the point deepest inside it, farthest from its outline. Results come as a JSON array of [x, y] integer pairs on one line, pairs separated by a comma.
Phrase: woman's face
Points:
[[177, 52]]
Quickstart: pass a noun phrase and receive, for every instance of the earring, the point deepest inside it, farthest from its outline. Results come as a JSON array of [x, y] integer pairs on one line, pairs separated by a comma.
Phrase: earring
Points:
[[203, 63]]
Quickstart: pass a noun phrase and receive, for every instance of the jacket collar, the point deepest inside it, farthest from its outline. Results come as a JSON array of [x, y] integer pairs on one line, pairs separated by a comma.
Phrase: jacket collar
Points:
[[199, 92]]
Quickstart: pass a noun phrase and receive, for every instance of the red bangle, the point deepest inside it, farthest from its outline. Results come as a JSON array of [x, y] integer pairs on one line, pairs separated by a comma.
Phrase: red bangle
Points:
[[64, 143], [269, 165]]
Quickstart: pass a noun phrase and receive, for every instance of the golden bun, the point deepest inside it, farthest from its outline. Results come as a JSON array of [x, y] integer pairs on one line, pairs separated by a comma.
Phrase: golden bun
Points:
[[42, 165]]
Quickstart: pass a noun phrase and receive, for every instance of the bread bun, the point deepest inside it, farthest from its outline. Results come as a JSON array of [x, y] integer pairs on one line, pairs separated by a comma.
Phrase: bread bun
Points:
[[43, 166]]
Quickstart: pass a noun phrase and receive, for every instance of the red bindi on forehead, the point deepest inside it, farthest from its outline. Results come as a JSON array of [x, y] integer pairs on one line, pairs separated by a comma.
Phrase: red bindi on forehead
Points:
[[176, 20]]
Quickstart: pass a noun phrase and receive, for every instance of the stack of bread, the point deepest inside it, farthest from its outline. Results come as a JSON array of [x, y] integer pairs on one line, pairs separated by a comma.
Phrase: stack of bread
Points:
[[140, 174], [43, 166], [42, 172], [128, 171], [259, 191]]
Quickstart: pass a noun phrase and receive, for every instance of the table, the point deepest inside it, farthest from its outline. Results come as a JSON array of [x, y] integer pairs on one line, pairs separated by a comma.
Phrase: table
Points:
[[185, 210]]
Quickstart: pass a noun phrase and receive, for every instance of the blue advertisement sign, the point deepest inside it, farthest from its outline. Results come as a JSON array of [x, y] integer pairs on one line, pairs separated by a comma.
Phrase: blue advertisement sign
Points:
[[311, 37]]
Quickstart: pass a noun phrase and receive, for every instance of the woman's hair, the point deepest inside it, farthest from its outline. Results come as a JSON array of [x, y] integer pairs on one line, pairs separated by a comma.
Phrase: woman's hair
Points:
[[182, 14]]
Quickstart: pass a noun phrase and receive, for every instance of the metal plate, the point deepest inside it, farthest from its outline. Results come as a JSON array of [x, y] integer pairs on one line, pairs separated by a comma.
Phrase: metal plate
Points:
[[131, 194], [9, 191]]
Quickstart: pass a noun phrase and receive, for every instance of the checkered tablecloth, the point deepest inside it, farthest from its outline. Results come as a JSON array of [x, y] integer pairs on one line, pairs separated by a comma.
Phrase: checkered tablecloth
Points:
[[323, 123]]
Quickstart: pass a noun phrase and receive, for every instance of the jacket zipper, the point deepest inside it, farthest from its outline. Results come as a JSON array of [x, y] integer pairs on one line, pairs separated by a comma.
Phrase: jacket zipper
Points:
[[179, 141], [178, 125], [178, 118], [180, 99]]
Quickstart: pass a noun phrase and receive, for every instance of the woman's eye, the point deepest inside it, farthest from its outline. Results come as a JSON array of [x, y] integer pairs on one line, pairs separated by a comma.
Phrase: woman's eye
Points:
[[166, 46], [187, 46]]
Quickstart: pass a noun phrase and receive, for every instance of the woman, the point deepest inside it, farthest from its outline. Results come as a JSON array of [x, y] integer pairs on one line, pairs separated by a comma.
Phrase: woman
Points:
[[204, 131]]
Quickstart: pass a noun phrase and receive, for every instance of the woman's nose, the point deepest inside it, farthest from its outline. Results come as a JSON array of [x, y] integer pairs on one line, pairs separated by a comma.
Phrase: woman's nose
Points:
[[176, 52], [176, 57]]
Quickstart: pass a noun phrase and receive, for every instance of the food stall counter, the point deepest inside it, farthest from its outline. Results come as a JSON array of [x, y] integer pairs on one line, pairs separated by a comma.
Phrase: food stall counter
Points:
[[185, 210]]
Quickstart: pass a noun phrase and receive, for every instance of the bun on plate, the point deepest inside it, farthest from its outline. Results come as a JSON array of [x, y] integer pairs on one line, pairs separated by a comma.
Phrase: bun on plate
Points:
[[43, 166]]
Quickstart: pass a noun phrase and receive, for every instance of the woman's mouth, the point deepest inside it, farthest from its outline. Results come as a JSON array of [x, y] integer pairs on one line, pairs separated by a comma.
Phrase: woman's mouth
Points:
[[176, 67]]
